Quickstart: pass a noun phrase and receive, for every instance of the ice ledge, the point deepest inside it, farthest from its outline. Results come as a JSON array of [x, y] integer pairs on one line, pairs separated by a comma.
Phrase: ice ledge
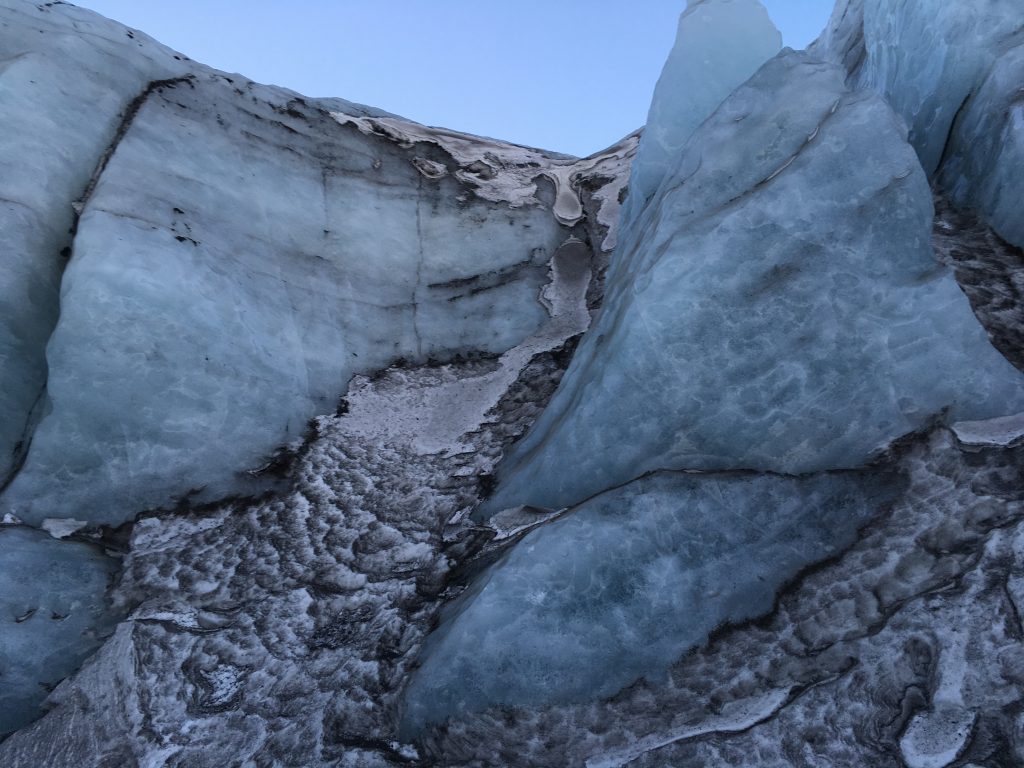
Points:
[[1004, 432]]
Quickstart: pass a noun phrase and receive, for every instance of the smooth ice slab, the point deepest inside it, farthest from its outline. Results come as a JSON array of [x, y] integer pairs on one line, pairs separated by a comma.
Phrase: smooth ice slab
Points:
[[777, 307], [953, 71], [719, 44], [623, 586], [53, 614]]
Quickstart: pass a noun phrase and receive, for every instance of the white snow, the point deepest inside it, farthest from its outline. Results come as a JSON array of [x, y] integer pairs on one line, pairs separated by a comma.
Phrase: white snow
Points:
[[736, 717], [936, 738], [497, 171]]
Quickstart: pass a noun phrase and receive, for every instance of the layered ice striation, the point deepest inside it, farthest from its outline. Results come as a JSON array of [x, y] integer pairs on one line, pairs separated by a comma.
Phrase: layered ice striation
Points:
[[777, 306], [719, 44], [952, 70], [241, 253], [53, 614], [622, 586]]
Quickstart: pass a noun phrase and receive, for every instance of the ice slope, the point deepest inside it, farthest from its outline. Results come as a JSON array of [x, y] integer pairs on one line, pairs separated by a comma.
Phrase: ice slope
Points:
[[778, 306], [622, 586], [53, 614], [241, 254], [719, 44], [952, 71]]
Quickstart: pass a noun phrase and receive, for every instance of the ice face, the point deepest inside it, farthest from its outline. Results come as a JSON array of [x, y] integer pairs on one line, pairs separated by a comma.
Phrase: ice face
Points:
[[622, 586], [719, 44], [986, 154], [64, 82], [241, 257], [952, 71], [927, 57], [53, 614], [778, 306]]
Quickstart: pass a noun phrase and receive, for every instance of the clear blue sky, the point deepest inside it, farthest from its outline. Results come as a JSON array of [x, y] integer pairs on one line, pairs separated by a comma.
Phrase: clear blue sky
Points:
[[567, 75]]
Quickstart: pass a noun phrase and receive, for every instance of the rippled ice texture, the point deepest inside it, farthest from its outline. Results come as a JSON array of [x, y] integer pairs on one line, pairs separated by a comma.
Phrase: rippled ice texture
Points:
[[64, 80]]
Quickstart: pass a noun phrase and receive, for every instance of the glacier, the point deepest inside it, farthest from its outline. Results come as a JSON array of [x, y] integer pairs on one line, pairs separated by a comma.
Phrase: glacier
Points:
[[750, 324], [294, 245], [719, 44], [952, 71], [54, 613], [622, 586], [51, 75], [333, 439]]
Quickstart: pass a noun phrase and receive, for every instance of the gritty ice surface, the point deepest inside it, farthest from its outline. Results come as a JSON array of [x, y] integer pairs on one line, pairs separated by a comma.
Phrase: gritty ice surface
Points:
[[719, 44], [283, 630], [621, 587], [937, 738], [906, 646], [753, 323], [53, 614]]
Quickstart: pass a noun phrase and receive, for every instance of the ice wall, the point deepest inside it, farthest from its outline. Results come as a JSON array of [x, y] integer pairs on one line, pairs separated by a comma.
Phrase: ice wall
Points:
[[778, 306], [952, 71], [53, 614], [66, 77], [984, 169], [719, 44], [622, 586], [243, 254]]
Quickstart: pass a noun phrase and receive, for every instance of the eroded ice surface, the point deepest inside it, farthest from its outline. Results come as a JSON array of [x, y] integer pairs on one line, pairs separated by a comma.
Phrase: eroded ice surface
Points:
[[719, 44], [952, 70], [622, 586], [53, 614], [778, 306]]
